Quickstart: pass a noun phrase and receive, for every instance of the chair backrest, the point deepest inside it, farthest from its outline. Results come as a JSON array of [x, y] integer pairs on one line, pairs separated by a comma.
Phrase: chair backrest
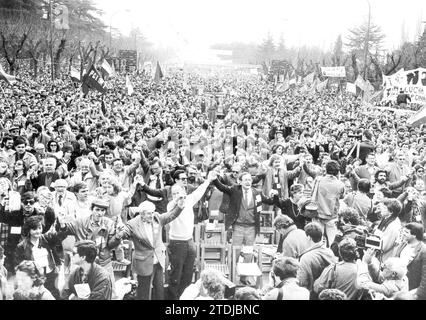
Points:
[[236, 254]]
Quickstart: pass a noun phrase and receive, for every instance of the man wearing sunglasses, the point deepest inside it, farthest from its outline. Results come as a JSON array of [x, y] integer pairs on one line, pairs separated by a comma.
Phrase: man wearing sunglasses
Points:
[[15, 219]]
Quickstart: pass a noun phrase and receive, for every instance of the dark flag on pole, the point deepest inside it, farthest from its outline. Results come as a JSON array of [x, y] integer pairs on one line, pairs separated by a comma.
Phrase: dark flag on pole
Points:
[[158, 73], [93, 80]]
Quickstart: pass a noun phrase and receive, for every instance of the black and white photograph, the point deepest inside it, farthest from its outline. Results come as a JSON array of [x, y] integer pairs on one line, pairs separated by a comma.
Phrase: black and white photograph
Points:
[[199, 152]]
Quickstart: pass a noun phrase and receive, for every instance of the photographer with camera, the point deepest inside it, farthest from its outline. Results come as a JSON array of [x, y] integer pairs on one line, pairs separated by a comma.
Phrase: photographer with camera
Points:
[[350, 225], [342, 275]]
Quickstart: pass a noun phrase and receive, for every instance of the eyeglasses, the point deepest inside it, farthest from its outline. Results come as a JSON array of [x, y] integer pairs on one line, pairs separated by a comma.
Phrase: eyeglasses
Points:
[[420, 171], [29, 202]]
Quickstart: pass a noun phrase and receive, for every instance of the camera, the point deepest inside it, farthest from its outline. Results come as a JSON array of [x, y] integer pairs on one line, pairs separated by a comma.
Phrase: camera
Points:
[[368, 241]]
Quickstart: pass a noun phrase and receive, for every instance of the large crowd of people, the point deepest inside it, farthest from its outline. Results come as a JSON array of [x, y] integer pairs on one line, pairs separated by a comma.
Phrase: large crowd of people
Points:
[[80, 175]]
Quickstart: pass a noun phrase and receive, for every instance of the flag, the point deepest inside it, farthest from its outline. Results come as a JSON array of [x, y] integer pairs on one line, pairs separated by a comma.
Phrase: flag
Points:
[[351, 87], [6, 77], [106, 69], [368, 91], [360, 83], [376, 96], [158, 73], [75, 75], [61, 17], [129, 86], [322, 85], [417, 119], [93, 80], [309, 78]]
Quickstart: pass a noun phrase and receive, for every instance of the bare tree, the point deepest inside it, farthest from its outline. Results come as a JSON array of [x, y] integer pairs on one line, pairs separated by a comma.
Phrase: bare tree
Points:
[[14, 32]]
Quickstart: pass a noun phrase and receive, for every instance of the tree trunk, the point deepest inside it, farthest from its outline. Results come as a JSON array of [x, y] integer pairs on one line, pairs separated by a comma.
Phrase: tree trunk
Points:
[[57, 59], [355, 66]]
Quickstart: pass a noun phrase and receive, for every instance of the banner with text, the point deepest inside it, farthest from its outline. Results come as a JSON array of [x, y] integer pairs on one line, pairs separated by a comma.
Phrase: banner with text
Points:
[[413, 82], [334, 72]]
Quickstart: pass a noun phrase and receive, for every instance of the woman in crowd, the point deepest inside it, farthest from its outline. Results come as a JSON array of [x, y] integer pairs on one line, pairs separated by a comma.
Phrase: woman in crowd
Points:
[[40, 248]]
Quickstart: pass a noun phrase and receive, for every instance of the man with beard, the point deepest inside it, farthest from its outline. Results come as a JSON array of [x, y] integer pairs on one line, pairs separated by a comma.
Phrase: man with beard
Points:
[[37, 136], [7, 152], [15, 219], [381, 178]]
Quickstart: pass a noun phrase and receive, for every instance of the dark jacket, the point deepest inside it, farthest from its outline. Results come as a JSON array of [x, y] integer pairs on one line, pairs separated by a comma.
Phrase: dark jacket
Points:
[[48, 241], [416, 270], [227, 180], [98, 280], [290, 209], [16, 219], [40, 180], [236, 195]]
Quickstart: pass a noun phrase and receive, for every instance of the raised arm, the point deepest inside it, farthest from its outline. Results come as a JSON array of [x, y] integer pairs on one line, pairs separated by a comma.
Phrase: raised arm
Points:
[[169, 216]]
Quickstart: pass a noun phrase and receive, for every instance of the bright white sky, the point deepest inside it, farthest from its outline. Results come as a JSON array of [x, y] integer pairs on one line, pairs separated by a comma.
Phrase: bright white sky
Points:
[[193, 25]]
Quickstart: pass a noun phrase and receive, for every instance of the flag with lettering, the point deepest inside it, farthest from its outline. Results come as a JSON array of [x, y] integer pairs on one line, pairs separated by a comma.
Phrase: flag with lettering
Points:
[[93, 80], [7, 77]]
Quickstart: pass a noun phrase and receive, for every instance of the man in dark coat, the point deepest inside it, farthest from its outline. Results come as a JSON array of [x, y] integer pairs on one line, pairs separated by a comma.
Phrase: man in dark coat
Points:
[[89, 281]]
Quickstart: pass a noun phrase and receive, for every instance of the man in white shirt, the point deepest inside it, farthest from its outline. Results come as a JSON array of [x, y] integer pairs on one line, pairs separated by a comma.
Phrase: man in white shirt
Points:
[[181, 248]]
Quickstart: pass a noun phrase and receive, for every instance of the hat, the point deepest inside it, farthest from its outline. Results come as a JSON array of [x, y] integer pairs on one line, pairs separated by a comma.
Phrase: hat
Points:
[[101, 203], [13, 127], [59, 183]]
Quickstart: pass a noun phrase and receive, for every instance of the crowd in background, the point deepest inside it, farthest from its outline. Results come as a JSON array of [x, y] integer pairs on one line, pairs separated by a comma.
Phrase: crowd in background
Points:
[[79, 175]]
